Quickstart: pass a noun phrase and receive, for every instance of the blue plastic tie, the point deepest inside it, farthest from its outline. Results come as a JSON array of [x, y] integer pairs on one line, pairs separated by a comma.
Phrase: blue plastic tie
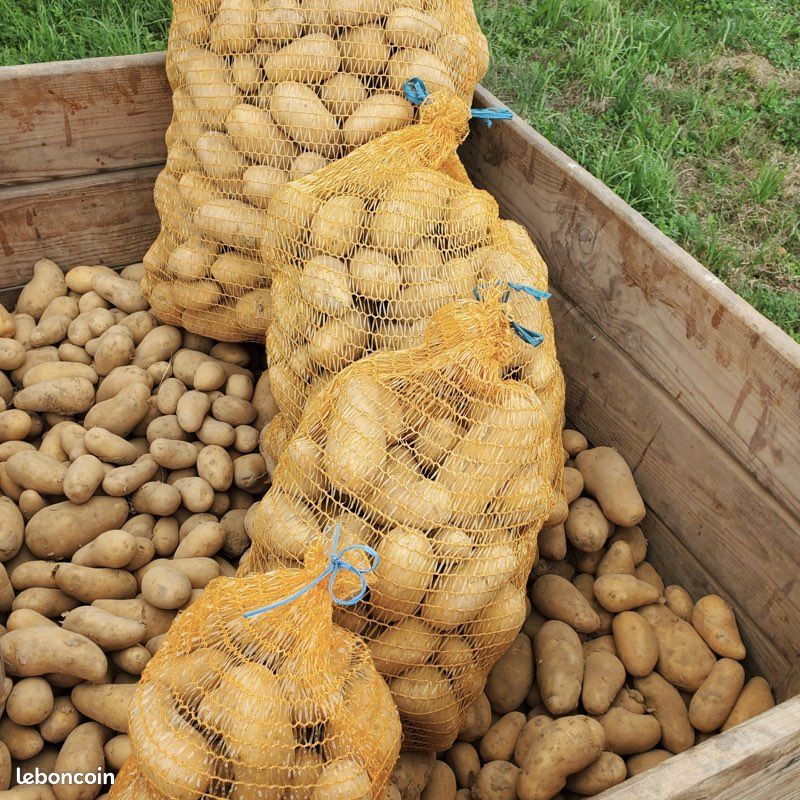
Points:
[[531, 290], [528, 336], [336, 564], [417, 93]]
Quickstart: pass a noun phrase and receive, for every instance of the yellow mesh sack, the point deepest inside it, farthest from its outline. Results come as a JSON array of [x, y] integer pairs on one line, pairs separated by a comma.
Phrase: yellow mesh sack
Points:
[[364, 251], [283, 705], [266, 91], [441, 464]]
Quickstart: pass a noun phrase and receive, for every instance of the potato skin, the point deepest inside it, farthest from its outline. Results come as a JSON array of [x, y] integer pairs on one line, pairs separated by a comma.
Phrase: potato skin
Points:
[[603, 677], [565, 747], [714, 620], [608, 478], [511, 678], [559, 666], [665, 703], [684, 659], [636, 643], [556, 598], [713, 702], [628, 733], [499, 742], [606, 771], [755, 698], [40, 651]]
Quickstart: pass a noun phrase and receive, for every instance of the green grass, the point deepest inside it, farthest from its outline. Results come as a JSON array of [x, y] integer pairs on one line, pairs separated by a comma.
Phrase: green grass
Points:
[[55, 30], [689, 109]]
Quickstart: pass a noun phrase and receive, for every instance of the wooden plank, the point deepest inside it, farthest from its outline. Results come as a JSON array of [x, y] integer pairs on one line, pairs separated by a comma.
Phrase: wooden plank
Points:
[[99, 219], [758, 760], [714, 507], [731, 369], [74, 118]]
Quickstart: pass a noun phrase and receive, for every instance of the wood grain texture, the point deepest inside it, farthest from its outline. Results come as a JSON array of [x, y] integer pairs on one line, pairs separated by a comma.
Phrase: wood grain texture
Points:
[[99, 219], [758, 760], [736, 373], [75, 118], [710, 503]]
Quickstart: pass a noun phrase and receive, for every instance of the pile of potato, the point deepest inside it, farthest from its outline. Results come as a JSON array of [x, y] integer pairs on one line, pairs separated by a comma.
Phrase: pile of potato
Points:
[[128, 462], [263, 94], [612, 673]]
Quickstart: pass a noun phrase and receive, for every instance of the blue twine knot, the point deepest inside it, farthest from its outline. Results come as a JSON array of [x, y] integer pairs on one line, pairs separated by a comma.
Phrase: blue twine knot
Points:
[[336, 563], [417, 93], [528, 336]]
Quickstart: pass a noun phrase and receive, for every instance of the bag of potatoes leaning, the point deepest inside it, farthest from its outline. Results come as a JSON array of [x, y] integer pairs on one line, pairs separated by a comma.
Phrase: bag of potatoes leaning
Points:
[[439, 462], [364, 251], [265, 91], [256, 694]]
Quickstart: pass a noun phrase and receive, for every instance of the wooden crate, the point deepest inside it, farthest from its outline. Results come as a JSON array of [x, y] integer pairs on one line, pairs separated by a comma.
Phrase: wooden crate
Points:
[[698, 391]]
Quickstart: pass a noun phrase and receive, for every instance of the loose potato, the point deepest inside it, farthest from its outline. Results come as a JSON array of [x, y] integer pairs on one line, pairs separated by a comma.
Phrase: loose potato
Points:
[[607, 771], [109, 631], [46, 284], [608, 478], [679, 602], [30, 652], [617, 593], [477, 718], [603, 677], [564, 747], [499, 742], [755, 699], [636, 643], [30, 701], [559, 666], [107, 704], [465, 762], [714, 620], [441, 785], [643, 761], [665, 703], [556, 598], [628, 733], [61, 529], [511, 678], [684, 658], [497, 780], [712, 703], [586, 526]]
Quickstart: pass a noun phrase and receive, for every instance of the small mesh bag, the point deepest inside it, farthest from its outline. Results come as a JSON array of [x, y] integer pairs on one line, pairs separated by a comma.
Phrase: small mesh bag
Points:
[[444, 466], [264, 92], [284, 705]]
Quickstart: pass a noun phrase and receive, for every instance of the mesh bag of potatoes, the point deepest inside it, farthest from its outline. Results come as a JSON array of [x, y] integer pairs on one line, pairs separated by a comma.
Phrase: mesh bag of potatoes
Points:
[[364, 251], [434, 458], [265, 91], [256, 694]]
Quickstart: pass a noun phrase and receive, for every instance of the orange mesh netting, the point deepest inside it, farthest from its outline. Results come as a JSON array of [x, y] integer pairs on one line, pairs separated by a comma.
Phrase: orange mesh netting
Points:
[[285, 705], [445, 466], [364, 251], [264, 92]]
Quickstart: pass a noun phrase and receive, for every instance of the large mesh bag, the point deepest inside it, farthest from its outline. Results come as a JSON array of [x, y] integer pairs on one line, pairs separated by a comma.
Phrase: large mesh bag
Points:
[[441, 464], [364, 251], [285, 705], [266, 91]]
